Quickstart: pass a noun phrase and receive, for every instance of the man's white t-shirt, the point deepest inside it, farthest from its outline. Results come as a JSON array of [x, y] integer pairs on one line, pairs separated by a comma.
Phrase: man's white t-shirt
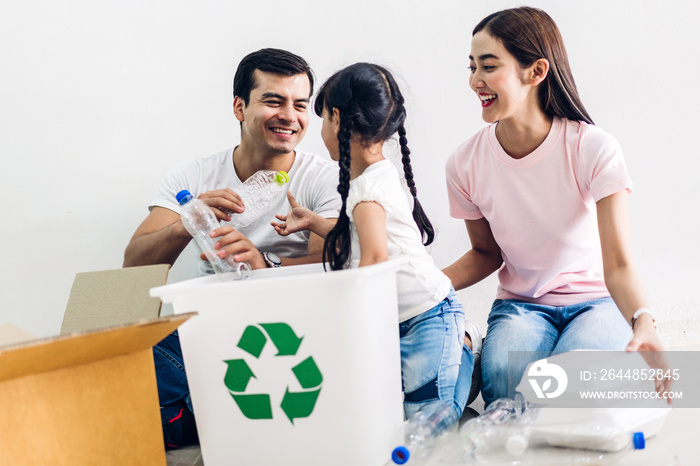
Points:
[[312, 180]]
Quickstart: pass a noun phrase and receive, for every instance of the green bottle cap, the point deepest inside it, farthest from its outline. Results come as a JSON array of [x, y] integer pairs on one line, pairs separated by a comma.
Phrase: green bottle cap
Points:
[[281, 178]]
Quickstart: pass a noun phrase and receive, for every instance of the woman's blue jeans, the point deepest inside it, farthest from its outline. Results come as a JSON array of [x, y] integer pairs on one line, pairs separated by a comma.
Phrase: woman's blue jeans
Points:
[[435, 362], [521, 326]]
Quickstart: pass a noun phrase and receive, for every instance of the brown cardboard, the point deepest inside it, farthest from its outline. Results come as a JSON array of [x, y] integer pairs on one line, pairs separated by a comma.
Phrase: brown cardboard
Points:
[[112, 297], [12, 334], [88, 397]]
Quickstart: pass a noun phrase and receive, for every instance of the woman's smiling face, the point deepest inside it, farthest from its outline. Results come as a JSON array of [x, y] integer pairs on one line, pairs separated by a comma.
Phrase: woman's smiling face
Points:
[[498, 79]]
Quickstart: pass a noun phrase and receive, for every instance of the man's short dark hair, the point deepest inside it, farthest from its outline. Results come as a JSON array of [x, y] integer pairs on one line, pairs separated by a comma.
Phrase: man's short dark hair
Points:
[[270, 61]]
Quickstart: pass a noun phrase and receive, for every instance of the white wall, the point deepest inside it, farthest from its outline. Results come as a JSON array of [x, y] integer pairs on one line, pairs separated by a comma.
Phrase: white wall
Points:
[[99, 99]]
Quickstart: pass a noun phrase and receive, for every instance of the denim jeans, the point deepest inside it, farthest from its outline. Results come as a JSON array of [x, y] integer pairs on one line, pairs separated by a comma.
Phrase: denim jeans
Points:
[[435, 362], [176, 411], [521, 326]]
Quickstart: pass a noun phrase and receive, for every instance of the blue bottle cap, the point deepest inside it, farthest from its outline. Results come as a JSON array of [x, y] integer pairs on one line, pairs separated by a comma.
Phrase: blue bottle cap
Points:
[[400, 455], [638, 441], [183, 197]]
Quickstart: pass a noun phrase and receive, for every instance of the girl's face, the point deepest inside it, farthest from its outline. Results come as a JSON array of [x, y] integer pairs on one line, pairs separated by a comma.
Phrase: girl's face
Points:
[[329, 132], [502, 86]]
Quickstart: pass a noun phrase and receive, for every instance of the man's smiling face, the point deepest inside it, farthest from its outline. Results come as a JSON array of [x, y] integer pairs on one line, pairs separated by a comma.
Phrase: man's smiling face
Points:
[[277, 114]]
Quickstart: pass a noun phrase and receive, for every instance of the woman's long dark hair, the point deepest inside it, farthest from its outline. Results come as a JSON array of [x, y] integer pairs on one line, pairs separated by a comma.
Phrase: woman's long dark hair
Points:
[[371, 107], [530, 34]]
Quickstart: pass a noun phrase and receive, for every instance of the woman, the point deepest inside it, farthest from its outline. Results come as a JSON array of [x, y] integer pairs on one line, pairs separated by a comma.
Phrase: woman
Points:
[[543, 193]]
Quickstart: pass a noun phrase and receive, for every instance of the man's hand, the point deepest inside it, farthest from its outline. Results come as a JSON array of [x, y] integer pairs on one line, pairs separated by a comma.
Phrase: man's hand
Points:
[[223, 202], [298, 219], [232, 242]]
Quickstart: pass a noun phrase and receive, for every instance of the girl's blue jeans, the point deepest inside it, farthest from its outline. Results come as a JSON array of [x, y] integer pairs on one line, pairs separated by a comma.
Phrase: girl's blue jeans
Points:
[[435, 362], [526, 327]]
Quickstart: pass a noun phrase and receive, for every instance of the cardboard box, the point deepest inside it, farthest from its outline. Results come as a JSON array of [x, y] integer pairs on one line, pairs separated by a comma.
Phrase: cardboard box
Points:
[[10, 334], [85, 398], [113, 297], [294, 365]]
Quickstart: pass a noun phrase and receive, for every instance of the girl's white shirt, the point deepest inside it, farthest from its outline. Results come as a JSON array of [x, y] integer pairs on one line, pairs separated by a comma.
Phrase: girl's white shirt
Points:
[[421, 284]]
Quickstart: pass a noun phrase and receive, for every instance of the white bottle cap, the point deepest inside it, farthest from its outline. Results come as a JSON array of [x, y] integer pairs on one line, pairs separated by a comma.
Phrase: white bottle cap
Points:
[[516, 444]]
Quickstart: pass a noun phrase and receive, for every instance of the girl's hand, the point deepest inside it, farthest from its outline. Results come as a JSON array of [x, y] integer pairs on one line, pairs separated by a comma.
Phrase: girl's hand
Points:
[[298, 219]]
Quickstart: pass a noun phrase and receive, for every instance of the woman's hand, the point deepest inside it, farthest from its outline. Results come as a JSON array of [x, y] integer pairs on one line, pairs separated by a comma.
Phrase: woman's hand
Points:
[[645, 337], [647, 342]]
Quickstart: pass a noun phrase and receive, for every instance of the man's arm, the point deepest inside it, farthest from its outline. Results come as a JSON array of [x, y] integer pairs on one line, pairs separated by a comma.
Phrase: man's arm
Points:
[[159, 239], [235, 243]]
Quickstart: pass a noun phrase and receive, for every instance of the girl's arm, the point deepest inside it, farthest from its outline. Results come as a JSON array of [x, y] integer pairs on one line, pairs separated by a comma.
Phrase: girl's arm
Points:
[[299, 219], [621, 277], [370, 221], [480, 261]]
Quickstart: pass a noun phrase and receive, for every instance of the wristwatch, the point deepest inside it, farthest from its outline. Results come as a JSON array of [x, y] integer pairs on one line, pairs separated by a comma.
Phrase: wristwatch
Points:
[[272, 259]]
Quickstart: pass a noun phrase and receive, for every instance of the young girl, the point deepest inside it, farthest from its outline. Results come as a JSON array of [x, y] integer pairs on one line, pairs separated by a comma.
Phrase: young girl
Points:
[[362, 107], [544, 195]]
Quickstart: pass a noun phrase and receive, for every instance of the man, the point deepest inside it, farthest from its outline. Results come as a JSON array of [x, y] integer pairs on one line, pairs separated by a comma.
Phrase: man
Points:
[[271, 89]]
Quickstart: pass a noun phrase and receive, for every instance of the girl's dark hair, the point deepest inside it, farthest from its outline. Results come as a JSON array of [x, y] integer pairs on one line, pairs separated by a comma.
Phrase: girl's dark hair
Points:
[[371, 108], [530, 34]]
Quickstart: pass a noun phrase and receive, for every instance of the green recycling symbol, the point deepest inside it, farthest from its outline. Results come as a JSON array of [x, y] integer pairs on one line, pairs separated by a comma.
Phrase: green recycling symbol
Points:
[[257, 405]]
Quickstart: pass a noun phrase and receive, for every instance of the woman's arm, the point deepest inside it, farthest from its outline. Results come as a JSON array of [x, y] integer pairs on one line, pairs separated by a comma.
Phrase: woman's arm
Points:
[[621, 277], [480, 261], [370, 221]]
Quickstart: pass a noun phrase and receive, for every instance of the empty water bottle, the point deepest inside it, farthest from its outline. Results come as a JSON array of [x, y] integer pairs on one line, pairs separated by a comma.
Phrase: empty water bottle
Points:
[[479, 433], [590, 434], [421, 432], [199, 220], [260, 193], [524, 441]]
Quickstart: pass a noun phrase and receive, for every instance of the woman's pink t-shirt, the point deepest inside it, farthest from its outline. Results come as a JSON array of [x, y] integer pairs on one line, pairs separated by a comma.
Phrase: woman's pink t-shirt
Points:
[[541, 208]]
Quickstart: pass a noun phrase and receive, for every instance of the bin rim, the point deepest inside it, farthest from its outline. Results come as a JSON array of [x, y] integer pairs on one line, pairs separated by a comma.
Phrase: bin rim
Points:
[[211, 283]]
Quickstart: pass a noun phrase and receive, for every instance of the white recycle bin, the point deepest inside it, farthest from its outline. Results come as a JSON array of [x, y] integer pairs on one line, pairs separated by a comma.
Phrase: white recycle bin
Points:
[[294, 365]]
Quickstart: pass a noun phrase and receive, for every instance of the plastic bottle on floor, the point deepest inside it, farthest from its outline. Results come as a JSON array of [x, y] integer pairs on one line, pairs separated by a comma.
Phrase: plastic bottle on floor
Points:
[[585, 435], [478, 433], [199, 220], [524, 442], [260, 193], [422, 430]]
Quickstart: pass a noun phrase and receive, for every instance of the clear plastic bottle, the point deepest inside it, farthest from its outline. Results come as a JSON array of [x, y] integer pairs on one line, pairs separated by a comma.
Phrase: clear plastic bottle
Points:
[[199, 220], [260, 193], [524, 442], [598, 435], [422, 430], [478, 433]]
